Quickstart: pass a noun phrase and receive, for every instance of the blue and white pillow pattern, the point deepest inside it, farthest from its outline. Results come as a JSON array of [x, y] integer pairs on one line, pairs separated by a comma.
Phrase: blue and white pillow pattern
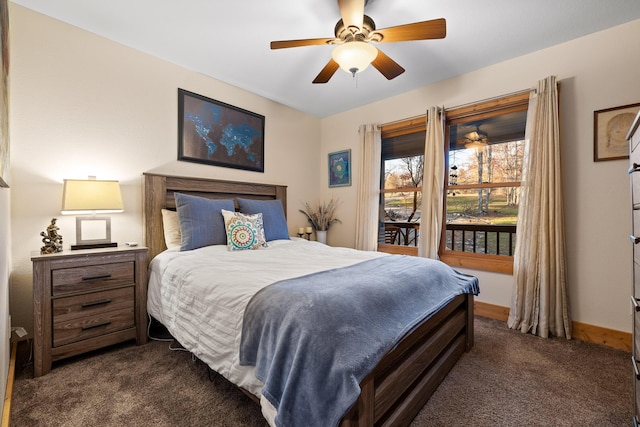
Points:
[[244, 231]]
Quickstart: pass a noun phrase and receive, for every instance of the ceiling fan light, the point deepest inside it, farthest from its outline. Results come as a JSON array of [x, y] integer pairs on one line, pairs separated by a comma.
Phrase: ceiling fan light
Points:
[[354, 56], [475, 144]]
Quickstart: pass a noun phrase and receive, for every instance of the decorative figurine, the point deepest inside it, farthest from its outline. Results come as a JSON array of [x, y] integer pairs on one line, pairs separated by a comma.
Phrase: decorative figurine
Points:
[[51, 239]]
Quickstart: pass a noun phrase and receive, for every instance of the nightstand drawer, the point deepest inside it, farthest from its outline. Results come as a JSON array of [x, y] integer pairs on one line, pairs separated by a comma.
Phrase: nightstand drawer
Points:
[[85, 316], [636, 278], [636, 336], [91, 278], [71, 308], [636, 385]]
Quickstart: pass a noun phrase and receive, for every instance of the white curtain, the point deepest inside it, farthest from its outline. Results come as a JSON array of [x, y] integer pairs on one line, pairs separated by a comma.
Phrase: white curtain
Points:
[[539, 302], [432, 185], [368, 194]]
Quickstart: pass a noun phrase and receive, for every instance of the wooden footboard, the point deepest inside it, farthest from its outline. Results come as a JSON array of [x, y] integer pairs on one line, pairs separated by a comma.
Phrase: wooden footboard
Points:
[[403, 381]]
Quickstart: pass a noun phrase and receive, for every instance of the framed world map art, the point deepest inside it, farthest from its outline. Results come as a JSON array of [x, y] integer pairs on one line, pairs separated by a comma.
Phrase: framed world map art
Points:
[[219, 134], [340, 168]]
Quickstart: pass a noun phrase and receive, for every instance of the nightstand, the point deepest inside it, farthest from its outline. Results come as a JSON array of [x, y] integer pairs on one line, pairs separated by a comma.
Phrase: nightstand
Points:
[[87, 299]]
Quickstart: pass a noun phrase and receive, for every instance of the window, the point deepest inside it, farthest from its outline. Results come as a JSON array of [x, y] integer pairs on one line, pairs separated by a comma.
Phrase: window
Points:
[[401, 192], [484, 145]]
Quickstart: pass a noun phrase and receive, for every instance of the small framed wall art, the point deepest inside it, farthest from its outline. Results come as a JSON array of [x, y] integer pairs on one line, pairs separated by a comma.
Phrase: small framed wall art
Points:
[[340, 168], [219, 134], [610, 127]]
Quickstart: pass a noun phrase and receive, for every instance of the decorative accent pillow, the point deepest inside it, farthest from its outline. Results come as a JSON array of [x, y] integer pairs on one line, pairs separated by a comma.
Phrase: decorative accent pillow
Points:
[[171, 227], [244, 231], [201, 223], [275, 223]]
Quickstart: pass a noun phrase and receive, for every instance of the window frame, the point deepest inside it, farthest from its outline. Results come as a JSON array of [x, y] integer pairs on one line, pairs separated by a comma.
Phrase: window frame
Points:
[[404, 127], [471, 112]]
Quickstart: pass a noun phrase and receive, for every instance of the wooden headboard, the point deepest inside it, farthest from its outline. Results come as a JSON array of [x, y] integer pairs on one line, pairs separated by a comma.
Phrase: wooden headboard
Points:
[[158, 194]]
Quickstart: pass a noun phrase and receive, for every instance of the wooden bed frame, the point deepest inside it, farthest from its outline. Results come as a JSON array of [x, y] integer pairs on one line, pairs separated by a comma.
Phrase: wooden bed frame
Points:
[[400, 385]]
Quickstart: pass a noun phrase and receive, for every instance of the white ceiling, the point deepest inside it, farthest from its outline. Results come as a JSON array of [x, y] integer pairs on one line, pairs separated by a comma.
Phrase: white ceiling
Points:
[[229, 40]]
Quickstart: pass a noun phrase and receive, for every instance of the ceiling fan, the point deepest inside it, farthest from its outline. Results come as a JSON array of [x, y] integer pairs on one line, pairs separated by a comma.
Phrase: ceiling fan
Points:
[[354, 35], [476, 139]]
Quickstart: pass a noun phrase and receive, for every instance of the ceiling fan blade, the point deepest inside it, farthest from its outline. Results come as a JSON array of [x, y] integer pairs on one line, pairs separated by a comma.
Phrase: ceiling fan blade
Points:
[[387, 66], [352, 12], [327, 72], [282, 44], [425, 30]]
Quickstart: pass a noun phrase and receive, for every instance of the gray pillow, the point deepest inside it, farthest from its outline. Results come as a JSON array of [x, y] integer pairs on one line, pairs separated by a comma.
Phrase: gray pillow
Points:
[[201, 221]]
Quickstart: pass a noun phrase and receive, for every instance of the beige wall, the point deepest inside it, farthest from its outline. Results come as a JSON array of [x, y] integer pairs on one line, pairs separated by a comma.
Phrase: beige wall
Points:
[[83, 105], [596, 72]]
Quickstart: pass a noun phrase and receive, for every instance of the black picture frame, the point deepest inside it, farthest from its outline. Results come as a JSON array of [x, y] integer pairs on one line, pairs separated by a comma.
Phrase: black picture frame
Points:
[[215, 133]]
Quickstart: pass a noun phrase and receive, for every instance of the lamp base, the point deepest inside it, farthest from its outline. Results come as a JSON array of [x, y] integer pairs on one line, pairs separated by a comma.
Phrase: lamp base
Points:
[[95, 246]]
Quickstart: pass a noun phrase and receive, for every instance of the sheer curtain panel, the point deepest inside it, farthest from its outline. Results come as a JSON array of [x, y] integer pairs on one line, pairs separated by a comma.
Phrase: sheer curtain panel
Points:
[[432, 185], [539, 302], [368, 193]]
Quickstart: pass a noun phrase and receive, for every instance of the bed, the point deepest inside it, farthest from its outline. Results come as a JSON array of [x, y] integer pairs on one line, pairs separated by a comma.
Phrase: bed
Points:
[[406, 375]]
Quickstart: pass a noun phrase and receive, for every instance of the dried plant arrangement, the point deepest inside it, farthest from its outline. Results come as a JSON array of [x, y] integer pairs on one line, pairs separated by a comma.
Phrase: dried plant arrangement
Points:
[[322, 217]]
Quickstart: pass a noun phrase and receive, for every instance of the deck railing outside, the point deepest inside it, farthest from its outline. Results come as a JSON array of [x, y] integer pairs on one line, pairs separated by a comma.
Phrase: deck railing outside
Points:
[[481, 238], [475, 238]]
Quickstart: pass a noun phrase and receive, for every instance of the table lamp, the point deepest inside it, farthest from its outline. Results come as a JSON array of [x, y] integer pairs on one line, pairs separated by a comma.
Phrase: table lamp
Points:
[[91, 196]]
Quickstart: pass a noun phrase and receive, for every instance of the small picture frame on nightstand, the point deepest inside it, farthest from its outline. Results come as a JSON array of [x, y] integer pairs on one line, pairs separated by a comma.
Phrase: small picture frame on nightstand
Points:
[[93, 232]]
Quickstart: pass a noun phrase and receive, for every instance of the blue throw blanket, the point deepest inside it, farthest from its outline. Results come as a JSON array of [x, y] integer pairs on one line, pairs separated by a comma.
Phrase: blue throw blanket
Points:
[[314, 338]]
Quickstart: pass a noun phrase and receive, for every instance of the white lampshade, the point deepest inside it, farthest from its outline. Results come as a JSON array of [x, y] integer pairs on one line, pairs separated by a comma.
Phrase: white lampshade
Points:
[[354, 56], [82, 196]]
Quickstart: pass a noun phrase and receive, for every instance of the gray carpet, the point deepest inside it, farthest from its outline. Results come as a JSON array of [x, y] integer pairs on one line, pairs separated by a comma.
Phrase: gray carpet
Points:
[[507, 379]]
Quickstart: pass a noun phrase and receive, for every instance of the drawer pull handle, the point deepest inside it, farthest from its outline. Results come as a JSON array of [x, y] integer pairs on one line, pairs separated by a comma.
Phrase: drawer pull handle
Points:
[[634, 168], [105, 323], [100, 302], [99, 276], [634, 239]]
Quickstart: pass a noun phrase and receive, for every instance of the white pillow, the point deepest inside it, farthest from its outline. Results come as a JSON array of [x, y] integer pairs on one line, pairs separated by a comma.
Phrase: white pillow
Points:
[[171, 227]]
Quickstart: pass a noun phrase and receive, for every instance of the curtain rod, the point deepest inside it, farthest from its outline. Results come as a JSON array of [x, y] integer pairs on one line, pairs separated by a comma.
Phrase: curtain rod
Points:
[[519, 92], [463, 105]]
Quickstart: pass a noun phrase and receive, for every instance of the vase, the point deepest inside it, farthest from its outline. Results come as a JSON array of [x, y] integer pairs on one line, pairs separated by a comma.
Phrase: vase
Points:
[[321, 236]]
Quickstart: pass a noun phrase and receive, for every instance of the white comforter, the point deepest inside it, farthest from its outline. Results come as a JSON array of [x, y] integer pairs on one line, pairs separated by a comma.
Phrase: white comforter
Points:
[[201, 295]]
